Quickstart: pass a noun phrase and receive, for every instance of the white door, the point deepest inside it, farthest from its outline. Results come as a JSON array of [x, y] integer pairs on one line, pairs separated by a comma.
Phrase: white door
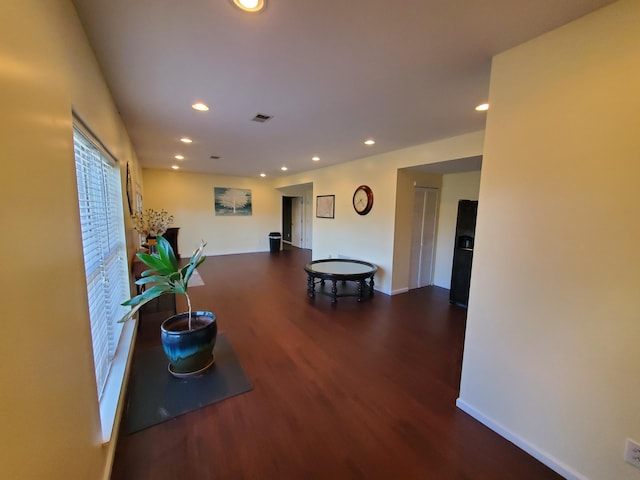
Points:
[[296, 221], [423, 237]]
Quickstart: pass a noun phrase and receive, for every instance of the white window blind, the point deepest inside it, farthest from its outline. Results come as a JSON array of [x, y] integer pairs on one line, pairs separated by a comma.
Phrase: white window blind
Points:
[[104, 249]]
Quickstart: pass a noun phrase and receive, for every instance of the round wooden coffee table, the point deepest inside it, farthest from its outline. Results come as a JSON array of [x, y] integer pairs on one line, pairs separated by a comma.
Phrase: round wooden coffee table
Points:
[[338, 269]]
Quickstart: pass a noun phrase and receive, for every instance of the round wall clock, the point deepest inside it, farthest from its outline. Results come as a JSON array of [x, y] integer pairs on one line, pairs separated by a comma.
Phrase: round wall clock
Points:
[[363, 200]]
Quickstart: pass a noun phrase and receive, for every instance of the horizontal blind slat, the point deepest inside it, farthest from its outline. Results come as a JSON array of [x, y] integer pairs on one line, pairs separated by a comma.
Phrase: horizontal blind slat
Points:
[[104, 249]]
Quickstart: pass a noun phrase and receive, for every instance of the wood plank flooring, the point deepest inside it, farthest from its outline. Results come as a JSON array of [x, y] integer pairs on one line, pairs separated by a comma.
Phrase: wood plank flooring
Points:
[[350, 391]]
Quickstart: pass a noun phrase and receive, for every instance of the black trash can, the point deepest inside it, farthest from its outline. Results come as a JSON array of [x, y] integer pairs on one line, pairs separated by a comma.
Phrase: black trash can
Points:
[[274, 242]]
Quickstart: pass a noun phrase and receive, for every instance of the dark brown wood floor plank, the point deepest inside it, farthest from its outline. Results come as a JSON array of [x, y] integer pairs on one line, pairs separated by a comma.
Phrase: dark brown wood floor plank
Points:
[[348, 391]]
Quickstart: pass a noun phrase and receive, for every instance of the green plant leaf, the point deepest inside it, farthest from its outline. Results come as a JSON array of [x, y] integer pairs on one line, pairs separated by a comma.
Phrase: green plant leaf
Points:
[[183, 274], [195, 257], [189, 269], [148, 273], [148, 259], [165, 252], [165, 273], [157, 266], [147, 295], [195, 260], [152, 279], [131, 313], [176, 276]]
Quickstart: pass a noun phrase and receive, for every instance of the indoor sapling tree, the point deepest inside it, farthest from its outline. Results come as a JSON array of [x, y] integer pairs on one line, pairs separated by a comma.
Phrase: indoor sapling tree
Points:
[[164, 276]]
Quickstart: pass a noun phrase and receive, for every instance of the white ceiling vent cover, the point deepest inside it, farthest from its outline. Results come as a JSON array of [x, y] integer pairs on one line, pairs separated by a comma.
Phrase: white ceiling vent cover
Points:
[[261, 117]]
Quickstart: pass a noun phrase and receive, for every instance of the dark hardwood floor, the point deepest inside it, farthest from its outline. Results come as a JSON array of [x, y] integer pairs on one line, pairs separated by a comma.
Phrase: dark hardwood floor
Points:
[[350, 391]]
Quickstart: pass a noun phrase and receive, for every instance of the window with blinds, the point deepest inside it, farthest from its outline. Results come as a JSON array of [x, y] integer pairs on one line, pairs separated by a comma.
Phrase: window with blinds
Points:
[[104, 249]]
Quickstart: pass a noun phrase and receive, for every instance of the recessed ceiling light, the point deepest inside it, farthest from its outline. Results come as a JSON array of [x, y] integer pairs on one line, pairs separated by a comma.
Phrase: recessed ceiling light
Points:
[[483, 107], [370, 141], [179, 157], [263, 174], [284, 169], [175, 167], [201, 107], [250, 5], [315, 159], [186, 140]]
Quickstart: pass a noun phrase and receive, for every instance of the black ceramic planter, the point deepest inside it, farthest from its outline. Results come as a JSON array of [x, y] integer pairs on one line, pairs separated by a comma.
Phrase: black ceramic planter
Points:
[[190, 352]]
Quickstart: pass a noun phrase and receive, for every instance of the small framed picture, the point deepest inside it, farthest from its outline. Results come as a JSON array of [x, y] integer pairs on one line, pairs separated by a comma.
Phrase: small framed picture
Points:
[[325, 206]]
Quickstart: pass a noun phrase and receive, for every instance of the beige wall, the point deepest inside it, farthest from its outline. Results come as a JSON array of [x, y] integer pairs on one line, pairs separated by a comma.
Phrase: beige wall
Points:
[[552, 352], [189, 198], [50, 421], [371, 237], [455, 187]]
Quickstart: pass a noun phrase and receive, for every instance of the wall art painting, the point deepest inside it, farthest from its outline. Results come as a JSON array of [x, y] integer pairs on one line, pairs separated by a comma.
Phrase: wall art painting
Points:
[[232, 202], [325, 206]]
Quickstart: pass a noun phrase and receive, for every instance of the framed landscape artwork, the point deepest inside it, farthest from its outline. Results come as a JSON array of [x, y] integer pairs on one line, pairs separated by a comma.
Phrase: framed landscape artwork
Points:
[[232, 202], [325, 206]]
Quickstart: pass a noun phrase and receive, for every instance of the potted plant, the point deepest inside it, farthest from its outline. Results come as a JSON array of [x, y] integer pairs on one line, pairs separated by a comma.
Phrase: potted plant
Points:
[[187, 338]]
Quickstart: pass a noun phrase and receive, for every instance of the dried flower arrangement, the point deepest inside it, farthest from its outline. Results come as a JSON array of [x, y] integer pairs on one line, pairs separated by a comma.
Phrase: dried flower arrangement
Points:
[[151, 223]]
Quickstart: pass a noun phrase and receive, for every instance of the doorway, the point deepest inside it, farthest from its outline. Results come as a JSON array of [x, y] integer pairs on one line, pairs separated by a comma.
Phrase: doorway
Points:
[[297, 215], [423, 236], [293, 221], [286, 219]]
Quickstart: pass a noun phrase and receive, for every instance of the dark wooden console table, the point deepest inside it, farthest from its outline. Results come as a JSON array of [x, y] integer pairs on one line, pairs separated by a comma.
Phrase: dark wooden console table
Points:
[[344, 270]]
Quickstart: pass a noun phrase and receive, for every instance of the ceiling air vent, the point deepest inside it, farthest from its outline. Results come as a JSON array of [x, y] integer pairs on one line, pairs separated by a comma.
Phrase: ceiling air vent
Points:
[[214, 157], [261, 117]]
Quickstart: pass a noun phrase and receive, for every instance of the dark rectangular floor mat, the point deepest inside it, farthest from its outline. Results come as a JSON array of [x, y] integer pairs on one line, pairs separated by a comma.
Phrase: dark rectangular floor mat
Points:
[[156, 396]]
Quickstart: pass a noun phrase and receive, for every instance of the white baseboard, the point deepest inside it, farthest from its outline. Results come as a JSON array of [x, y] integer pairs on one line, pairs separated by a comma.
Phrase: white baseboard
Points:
[[532, 450], [399, 291]]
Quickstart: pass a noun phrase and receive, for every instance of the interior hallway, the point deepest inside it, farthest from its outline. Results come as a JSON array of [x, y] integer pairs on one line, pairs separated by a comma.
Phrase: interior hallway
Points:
[[353, 391]]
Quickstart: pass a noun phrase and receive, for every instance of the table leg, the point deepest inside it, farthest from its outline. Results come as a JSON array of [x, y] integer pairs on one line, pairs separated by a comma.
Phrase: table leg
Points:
[[334, 292], [311, 286], [361, 288], [371, 286]]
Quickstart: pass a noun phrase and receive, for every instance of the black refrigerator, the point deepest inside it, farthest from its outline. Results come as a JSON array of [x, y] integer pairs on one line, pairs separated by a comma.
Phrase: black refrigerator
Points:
[[463, 252]]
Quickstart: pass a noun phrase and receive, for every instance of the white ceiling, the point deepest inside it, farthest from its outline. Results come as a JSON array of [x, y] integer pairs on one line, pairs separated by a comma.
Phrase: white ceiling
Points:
[[331, 72]]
